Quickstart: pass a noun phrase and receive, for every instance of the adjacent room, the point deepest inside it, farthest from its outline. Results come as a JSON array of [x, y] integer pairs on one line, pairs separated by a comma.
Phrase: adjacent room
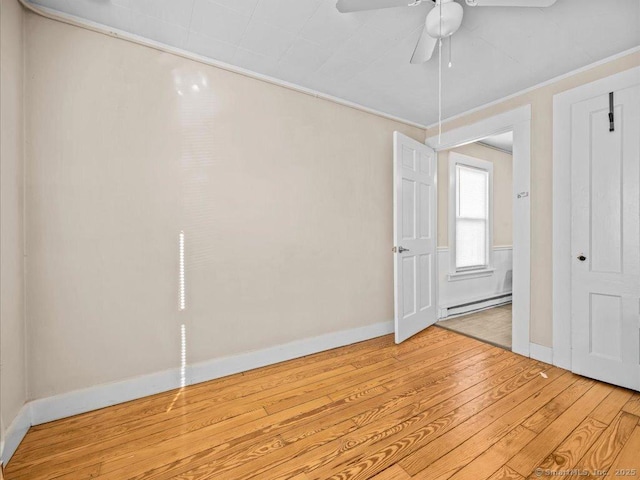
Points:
[[475, 231], [319, 239]]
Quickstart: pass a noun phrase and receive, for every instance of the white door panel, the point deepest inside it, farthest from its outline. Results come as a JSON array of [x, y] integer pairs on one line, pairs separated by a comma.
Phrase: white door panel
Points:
[[414, 230], [605, 238]]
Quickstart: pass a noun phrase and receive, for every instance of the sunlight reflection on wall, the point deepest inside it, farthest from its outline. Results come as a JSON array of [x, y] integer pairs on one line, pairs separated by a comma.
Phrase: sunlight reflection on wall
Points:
[[182, 306], [197, 108]]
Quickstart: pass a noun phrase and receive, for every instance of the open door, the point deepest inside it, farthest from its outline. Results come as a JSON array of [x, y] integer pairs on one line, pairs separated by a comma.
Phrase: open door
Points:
[[414, 236]]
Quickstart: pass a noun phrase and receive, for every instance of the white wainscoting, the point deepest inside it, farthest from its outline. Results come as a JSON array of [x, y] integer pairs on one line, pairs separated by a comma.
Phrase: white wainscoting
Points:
[[470, 290]]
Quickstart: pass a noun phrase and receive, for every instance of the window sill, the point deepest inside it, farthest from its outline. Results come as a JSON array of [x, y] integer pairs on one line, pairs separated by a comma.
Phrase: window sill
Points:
[[485, 272]]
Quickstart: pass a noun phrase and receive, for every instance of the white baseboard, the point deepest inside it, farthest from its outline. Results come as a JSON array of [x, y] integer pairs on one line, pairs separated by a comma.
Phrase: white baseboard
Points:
[[15, 433], [541, 353], [221, 367], [81, 401]]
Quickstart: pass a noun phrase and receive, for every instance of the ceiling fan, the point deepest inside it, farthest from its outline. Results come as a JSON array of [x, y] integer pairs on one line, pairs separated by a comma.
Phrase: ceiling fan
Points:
[[442, 21]]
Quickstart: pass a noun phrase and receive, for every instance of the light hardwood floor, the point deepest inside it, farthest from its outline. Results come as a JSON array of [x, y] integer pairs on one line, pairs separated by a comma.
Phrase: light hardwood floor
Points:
[[438, 406], [492, 325]]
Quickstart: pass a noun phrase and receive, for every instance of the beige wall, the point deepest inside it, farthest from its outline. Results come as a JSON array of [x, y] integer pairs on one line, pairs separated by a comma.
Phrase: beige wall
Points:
[[502, 191], [12, 327], [541, 101], [285, 200]]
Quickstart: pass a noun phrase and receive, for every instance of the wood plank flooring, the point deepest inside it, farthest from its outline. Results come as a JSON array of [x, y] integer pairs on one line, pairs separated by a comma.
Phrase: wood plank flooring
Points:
[[439, 406], [492, 325]]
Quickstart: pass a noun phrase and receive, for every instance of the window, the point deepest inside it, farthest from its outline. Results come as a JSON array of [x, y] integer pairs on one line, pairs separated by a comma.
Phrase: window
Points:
[[470, 223]]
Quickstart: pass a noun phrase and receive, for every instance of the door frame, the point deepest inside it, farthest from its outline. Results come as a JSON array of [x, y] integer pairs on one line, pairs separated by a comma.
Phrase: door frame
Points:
[[562, 256], [518, 121]]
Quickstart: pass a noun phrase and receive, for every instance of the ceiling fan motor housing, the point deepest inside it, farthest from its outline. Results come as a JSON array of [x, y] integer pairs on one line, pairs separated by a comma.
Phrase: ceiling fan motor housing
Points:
[[444, 19]]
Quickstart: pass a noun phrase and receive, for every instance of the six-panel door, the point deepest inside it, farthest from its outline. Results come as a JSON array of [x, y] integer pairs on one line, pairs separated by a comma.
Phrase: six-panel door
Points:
[[414, 236]]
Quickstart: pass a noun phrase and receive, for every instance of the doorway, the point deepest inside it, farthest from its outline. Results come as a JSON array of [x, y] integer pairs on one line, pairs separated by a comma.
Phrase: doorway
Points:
[[475, 239], [518, 122]]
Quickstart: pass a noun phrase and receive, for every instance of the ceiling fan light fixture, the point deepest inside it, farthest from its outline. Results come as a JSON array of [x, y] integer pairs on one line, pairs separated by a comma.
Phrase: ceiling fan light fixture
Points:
[[444, 19]]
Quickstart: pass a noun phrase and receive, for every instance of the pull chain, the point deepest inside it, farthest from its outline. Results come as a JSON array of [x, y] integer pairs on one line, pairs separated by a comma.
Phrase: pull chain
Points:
[[440, 80], [450, 40], [439, 90]]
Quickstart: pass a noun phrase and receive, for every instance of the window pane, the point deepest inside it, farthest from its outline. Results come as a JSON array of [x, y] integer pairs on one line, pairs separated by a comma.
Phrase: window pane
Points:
[[471, 246], [472, 192]]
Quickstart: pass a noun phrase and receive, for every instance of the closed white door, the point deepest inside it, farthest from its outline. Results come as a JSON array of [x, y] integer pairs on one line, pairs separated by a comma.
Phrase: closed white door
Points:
[[414, 233], [605, 238]]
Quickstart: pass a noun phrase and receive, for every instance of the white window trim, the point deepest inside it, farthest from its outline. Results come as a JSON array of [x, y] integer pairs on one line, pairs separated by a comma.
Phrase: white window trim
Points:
[[455, 274], [477, 273]]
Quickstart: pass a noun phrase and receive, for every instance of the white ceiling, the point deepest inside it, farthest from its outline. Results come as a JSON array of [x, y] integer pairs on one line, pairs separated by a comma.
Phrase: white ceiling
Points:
[[503, 141], [364, 57]]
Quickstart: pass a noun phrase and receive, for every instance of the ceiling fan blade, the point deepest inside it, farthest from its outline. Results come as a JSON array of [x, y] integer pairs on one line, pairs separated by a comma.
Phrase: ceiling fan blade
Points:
[[511, 3], [425, 47], [346, 6]]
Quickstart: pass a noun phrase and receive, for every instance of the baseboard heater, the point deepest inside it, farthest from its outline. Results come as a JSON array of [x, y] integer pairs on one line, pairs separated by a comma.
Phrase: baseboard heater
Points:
[[475, 305]]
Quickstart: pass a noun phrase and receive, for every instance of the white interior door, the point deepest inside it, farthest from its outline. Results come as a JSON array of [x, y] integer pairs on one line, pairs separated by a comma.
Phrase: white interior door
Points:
[[414, 235], [605, 238]]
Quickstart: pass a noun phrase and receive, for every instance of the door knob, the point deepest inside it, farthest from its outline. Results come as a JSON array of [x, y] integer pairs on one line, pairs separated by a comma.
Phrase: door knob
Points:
[[582, 258], [402, 249]]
